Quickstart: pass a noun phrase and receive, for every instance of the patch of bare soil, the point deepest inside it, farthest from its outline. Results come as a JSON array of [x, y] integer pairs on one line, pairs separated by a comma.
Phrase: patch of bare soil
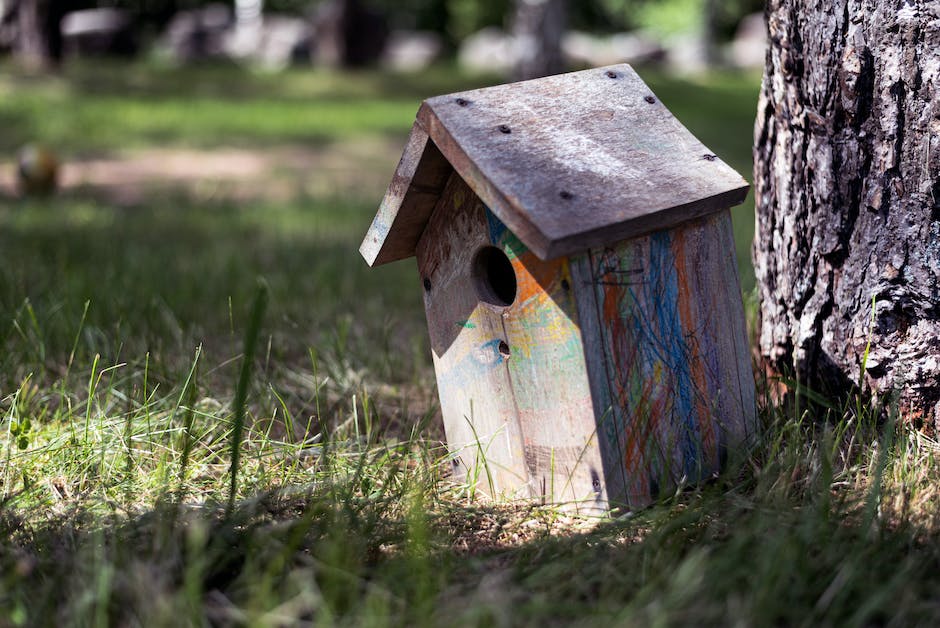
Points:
[[361, 167]]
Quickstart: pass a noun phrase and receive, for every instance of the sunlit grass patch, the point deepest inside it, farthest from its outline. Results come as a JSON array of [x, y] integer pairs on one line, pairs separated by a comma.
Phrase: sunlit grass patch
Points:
[[827, 521]]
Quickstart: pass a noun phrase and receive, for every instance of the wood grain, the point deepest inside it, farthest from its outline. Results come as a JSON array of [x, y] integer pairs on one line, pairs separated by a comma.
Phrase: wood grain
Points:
[[512, 379], [549, 379], [610, 378], [663, 331], [579, 160], [473, 379], [411, 197]]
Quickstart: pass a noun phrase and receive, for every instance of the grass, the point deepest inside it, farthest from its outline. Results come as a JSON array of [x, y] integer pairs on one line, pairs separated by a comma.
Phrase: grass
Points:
[[125, 393], [103, 107]]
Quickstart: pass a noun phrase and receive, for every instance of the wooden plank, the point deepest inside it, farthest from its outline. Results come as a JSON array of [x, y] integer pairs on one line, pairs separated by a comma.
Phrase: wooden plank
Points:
[[609, 432], [579, 160], [705, 256], [668, 338], [745, 432], [512, 381], [411, 197], [549, 382], [467, 336]]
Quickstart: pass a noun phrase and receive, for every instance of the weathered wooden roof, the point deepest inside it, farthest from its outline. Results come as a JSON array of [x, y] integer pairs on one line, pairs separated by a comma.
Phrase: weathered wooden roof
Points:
[[567, 162]]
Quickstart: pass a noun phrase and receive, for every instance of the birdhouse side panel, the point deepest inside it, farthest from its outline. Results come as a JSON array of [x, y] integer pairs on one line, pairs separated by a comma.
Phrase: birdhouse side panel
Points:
[[549, 378], [667, 356], [469, 349]]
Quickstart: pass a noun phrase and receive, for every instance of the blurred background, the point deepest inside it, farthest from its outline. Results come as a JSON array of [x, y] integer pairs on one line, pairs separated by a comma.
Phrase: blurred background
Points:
[[158, 155], [521, 37]]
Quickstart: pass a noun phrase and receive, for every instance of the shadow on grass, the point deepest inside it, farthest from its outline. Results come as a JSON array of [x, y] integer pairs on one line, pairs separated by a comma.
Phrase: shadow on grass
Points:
[[338, 553]]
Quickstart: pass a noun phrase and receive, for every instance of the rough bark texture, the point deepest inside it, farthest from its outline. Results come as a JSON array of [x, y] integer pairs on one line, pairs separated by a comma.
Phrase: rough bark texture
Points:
[[538, 26], [847, 182]]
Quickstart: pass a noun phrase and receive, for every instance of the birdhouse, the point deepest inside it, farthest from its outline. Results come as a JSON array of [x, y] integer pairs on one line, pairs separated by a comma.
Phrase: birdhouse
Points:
[[576, 258]]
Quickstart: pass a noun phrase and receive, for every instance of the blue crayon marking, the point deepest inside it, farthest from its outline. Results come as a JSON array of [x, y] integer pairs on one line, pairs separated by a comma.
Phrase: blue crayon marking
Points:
[[675, 353], [495, 226]]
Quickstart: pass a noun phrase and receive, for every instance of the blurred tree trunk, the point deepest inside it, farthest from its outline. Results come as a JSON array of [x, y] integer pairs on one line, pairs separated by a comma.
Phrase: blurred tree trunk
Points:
[[538, 27], [710, 17], [847, 185], [39, 39], [349, 33]]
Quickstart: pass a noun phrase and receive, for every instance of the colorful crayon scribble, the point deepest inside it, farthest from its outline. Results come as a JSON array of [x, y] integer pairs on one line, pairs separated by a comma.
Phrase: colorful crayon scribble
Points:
[[663, 363]]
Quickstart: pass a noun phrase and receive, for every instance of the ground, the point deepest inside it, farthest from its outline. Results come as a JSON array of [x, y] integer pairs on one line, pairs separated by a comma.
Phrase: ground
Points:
[[211, 213]]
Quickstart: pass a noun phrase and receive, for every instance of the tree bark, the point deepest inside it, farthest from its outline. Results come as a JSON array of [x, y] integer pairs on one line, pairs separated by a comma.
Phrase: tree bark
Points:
[[538, 27], [847, 187]]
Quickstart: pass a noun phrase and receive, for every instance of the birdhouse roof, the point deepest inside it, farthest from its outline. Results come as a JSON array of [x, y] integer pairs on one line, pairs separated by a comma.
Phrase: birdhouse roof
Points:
[[567, 162]]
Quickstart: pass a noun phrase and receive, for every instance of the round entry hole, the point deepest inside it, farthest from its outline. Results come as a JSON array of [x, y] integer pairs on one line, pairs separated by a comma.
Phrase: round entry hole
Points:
[[495, 277]]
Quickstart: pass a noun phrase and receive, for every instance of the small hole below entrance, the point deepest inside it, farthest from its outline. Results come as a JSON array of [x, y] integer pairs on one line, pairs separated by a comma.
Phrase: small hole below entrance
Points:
[[494, 276]]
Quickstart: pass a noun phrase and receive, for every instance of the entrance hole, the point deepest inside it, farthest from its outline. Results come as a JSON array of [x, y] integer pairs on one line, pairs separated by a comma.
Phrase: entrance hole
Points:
[[494, 276]]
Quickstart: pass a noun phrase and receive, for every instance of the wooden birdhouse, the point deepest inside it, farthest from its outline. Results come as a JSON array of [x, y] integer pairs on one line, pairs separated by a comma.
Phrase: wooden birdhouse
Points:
[[576, 258]]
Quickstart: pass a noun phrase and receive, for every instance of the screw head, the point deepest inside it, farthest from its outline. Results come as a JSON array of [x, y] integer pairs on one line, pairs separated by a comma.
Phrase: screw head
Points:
[[463, 102], [504, 128], [709, 157], [611, 74], [649, 99]]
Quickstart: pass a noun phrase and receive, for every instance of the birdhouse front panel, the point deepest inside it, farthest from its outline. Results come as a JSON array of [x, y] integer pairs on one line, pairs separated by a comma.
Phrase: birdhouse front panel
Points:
[[507, 352]]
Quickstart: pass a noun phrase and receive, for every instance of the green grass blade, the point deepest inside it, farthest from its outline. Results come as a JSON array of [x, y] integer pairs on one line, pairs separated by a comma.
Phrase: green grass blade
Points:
[[241, 391]]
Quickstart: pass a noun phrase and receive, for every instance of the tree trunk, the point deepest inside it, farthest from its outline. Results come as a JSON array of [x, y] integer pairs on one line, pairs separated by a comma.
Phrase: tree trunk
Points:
[[39, 38], [538, 27], [709, 31], [847, 185], [349, 33]]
